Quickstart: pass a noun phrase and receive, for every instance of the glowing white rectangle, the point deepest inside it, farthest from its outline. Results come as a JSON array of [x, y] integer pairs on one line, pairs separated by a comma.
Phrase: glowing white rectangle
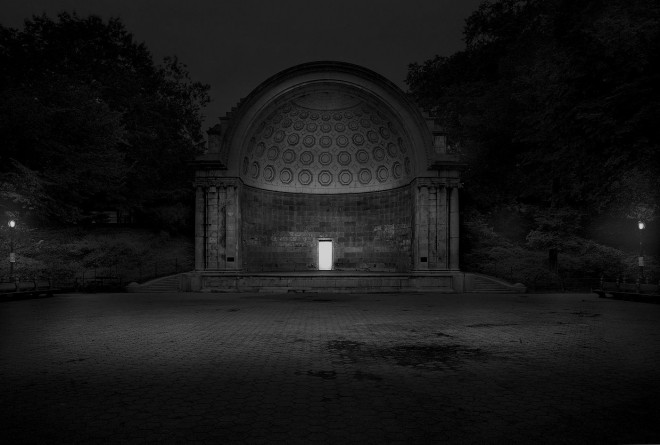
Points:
[[325, 255]]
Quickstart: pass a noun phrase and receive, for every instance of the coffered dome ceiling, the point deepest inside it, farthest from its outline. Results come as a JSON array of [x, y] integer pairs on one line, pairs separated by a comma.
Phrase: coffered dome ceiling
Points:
[[326, 142]]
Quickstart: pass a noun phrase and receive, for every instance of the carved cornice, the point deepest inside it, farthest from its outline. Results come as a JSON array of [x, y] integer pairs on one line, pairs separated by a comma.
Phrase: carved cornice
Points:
[[438, 182], [218, 182]]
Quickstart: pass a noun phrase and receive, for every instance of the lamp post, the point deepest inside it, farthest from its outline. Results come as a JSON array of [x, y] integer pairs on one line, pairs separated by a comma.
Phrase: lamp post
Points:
[[12, 255], [640, 259]]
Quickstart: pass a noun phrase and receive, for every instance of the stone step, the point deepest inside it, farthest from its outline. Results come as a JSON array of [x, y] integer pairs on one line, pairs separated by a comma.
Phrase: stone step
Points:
[[165, 284], [284, 289]]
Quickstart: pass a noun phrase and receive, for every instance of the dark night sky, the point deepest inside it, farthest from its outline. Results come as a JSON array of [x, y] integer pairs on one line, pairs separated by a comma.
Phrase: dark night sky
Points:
[[235, 45]]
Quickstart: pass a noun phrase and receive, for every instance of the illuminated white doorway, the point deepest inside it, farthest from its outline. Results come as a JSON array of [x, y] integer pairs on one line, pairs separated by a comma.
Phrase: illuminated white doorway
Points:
[[325, 255]]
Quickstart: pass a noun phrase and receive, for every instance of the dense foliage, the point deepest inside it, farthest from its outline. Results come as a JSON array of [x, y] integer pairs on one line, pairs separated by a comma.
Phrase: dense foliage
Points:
[[554, 104], [89, 122]]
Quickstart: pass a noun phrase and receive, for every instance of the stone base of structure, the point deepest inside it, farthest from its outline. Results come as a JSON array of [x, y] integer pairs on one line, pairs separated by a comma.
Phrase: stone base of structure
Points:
[[330, 281], [335, 281]]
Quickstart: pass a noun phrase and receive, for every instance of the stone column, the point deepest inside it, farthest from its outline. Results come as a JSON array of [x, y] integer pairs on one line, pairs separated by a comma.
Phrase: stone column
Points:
[[212, 228], [432, 204], [233, 228], [453, 229], [441, 230], [222, 227], [421, 229], [200, 212]]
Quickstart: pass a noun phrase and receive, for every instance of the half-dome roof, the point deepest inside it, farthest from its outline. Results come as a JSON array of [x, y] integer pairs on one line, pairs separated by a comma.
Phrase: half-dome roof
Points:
[[327, 139], [326, 127]]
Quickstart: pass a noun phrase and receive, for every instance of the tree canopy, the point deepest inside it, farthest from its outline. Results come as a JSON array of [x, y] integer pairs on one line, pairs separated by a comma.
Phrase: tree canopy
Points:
[[555, 104], [88, 121]]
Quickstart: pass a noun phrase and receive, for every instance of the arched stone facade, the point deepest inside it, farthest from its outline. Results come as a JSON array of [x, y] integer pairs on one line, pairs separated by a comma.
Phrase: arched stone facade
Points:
[[331, 152]]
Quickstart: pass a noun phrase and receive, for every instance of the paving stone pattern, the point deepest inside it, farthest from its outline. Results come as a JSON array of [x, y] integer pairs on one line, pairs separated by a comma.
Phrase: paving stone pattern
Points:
[[322, 368]]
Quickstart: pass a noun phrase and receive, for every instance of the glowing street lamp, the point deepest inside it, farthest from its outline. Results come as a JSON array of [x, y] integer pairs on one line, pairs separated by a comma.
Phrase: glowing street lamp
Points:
[[640, 260], [12, 255]]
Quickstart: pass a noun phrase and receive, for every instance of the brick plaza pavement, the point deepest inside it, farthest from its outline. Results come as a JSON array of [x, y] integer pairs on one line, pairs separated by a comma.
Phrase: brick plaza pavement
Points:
[[324, 368]]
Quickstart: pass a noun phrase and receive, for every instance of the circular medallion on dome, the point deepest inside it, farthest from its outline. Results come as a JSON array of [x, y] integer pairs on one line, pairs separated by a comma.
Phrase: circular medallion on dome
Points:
[[358, 139], [309, 141], [407, 165], [298, 125], [286, 108], [364, 176], [286, 175], [254, 170], [325, 141], [289, 156], [268, 132], [273, 153], [379, 153], [396, 170], [391, 150], [362, 156], [344, 158], [295, 112], [293, 138], [392, 129], [326, 127], [342, 141], [304, 114], [269, 173], [375, 119], [305, 177], [325, 116], [384, 132], [348, 115], [279, 136], [325, 177], [261, 148], [314, 116], [306, 157], [353, 125], [325, 158], [365, 122], [372, 136], [312, 127], [340, 127], [345, 177], [382, 173], [246, 165], [277, 118], [336, 116]]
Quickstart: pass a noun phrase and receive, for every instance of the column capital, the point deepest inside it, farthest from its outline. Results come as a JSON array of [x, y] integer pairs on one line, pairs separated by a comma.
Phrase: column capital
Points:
[[430, 182], [454, 183]]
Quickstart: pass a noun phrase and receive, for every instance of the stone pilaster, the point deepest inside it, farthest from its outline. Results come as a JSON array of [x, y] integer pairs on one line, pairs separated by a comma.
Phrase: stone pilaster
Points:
[[218, 244], [222, 227], [453, 228], [212, 228], [233, 226], [441, 228], [430, 224], [200, 232]]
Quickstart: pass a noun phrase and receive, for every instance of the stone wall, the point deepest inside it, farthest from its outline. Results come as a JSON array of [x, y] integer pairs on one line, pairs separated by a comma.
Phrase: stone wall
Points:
[[370, 231]]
